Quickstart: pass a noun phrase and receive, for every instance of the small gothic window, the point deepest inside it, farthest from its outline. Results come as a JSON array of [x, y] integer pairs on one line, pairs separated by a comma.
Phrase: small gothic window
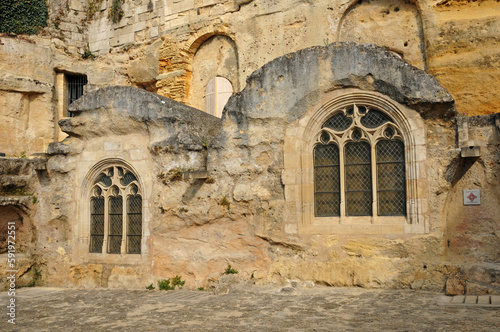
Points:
[[359, 159], [116, 213], [217, 94]]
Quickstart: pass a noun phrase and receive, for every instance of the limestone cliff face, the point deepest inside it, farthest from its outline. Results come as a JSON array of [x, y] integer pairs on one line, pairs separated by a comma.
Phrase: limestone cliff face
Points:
[[170, 48], [234, 190]]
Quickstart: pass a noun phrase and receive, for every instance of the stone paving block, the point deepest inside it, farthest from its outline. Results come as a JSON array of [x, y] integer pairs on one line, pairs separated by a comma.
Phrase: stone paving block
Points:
[[445, 299], [495, 299], [470, 299], [459, 299], [244, 308], [483, 299]]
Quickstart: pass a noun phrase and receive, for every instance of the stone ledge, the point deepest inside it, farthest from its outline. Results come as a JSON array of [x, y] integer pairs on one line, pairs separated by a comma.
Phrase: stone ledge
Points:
[[195, 175], [23, 84], [19, 201]]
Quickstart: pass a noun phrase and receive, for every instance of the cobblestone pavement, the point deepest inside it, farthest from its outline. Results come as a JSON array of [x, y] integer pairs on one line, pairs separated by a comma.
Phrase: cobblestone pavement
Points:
[[245, 309]]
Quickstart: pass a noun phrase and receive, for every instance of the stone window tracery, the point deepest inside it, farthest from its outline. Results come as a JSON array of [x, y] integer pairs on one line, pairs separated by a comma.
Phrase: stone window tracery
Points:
[[116, 212], [359, 165]]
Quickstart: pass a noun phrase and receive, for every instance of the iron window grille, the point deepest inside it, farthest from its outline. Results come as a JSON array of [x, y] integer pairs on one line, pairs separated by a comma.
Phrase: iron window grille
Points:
[[116, 213], [75, 84], [359, 165]]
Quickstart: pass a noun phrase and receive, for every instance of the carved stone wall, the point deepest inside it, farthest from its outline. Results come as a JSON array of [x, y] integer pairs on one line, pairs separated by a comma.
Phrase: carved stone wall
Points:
[[234, 190]]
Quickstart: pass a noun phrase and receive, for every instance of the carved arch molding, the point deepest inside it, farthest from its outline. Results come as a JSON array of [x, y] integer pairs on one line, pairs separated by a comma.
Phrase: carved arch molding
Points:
[[349, 123]]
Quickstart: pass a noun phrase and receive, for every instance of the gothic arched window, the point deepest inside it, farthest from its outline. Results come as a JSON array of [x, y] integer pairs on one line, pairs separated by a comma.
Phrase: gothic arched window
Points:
[[116, 212], [359, 165]]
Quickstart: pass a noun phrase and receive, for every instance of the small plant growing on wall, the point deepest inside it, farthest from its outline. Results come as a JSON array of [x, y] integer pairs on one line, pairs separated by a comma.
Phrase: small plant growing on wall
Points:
[[37, 275], [116, 11], [93, 7], [225, 202], [230, 270], [170, 284], [88, 53]]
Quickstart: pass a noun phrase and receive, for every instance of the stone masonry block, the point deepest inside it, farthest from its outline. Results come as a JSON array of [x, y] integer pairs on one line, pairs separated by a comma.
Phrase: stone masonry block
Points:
[[76, 5], [136, 154], [153, 32], [100, 45], [126, 30], [145, 17], [288, 176], [139, 26], [182, 5], [470, 152], [142, 9], [112, 146], [124, 39]]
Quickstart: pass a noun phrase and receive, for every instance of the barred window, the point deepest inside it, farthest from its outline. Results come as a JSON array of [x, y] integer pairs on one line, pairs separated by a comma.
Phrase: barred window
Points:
[[75, 85], [359, 165], [116, 213]]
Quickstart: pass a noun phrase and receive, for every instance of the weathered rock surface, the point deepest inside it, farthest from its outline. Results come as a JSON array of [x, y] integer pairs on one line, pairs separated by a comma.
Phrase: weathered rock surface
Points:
[[239, 213]]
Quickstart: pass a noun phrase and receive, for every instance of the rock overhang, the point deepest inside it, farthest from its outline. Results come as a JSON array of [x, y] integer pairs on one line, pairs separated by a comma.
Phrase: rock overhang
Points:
[[283, 86], [121, 110]]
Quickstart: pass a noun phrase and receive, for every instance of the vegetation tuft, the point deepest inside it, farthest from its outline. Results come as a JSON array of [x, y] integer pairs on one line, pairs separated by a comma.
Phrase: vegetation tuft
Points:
[[37, 275], [225, 202], [230, 270], [93, 7], [88, 53], [23, 16], [170, 284], [116, 11]]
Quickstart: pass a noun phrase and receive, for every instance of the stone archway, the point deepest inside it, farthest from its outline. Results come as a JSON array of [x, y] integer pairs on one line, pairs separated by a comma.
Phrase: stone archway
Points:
[[176, 62], [394, 24]]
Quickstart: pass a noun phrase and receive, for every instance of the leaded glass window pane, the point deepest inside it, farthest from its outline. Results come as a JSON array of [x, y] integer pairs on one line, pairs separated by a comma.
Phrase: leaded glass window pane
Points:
[[128, 178], [391, 179], [96, 224], [338, 122], [115, 224], [134, 229], [104, 180], [358, 182], [374, 119], [326, 180]]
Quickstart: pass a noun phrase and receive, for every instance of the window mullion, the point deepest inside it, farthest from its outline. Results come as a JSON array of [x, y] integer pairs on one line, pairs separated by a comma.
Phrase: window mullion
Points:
[[342, 182], [106, 225], [124, 225], [374, 182]]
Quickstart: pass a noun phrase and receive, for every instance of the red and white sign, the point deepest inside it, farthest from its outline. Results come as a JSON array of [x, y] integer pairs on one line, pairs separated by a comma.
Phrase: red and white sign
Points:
[[472, 197]]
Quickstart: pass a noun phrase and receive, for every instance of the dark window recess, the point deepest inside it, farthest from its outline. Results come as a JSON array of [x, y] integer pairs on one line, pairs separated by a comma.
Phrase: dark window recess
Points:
[[75, 88]]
